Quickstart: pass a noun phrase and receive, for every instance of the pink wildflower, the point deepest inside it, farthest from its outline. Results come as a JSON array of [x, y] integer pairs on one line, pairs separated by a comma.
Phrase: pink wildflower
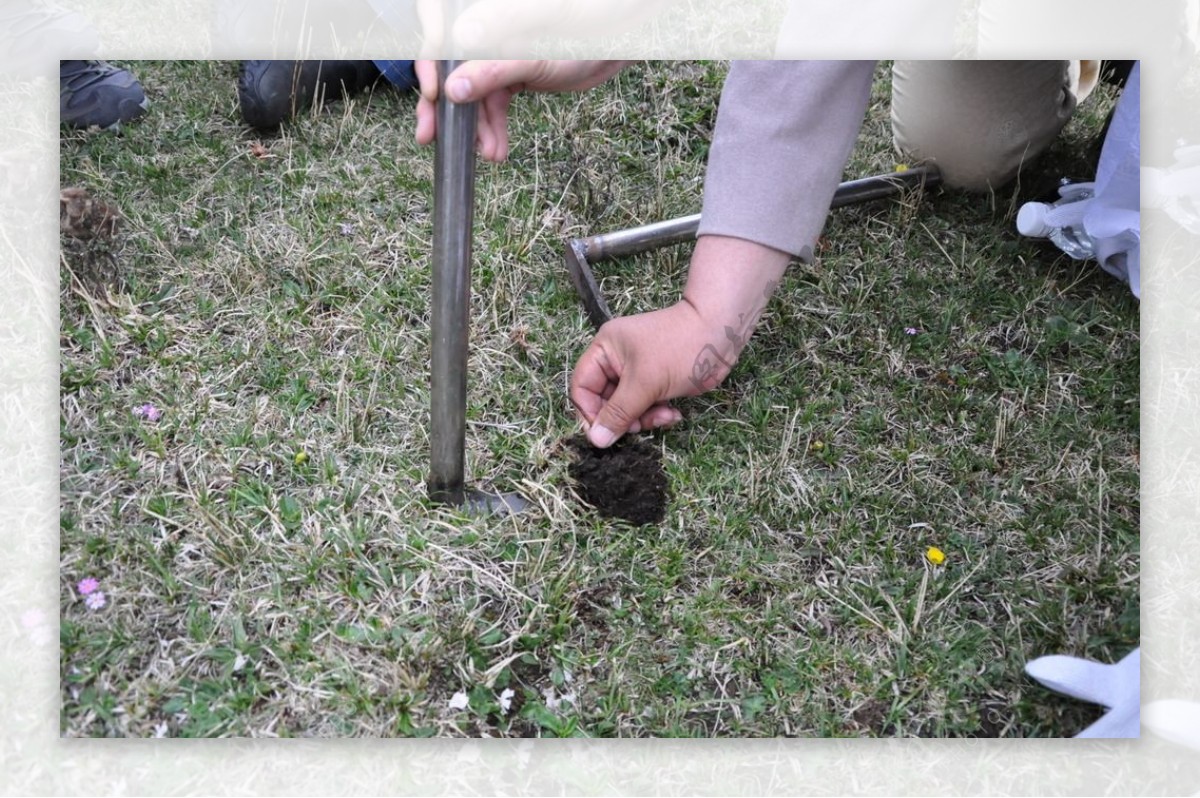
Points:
[[95, 601], [88, 585], [148, 411]]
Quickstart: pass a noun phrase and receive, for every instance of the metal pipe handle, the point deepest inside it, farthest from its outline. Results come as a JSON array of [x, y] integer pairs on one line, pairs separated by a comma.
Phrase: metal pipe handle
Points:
[[453, 217], [676, 231]]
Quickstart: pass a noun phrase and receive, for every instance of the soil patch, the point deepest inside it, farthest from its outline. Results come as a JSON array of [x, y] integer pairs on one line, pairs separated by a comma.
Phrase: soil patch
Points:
[[871, 716], [625, 481]]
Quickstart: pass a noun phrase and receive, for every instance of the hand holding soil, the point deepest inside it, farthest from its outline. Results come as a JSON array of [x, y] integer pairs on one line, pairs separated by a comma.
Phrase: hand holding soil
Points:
[[632, 367], [636, 364]]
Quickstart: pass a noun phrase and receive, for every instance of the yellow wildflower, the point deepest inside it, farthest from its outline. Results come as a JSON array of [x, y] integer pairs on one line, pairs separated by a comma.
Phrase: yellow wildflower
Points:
[[935, 555]]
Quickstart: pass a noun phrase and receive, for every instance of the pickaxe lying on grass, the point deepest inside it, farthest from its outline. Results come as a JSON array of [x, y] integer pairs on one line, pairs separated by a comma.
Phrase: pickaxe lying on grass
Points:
[[583, 252]]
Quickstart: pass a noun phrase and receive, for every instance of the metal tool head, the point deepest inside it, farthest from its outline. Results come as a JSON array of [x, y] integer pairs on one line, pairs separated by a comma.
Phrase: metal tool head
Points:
[[479, 503], [585, 282]]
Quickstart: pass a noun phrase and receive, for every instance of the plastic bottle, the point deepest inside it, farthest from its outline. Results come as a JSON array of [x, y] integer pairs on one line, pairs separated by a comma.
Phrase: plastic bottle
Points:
[[1062, 221]]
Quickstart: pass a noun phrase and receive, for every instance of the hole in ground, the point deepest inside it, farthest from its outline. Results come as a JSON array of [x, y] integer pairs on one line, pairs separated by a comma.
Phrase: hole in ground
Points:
[[625, 481]]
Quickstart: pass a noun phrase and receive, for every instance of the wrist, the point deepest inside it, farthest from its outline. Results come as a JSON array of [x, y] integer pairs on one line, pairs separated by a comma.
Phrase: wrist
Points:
[[714, 352], [729, 283], [731, 277]]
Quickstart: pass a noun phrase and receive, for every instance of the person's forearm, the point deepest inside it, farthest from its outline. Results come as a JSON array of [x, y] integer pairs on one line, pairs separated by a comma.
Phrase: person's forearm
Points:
[[784, 131], [729, 283]]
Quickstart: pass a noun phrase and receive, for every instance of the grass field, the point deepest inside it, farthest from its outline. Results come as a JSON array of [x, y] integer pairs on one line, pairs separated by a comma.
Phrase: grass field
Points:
[[270, 563]]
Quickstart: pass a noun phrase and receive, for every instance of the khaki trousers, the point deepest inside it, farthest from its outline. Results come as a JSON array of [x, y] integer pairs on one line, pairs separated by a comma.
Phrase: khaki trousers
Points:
[[981, 121]]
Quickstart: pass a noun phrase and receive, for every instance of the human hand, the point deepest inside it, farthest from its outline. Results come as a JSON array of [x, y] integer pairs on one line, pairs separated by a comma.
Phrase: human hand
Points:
[[492, 84], [636, 364]]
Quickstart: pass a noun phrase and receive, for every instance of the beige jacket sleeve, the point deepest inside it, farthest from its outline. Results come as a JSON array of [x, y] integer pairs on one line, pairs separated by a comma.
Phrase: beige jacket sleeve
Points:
[[784, 132]]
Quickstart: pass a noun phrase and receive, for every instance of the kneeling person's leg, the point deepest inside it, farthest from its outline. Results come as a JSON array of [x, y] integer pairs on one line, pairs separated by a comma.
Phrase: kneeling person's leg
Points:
[[981, 122]]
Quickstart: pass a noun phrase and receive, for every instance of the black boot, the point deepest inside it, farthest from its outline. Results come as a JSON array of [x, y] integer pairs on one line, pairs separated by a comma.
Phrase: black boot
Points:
[[273, 92], [98, 94]]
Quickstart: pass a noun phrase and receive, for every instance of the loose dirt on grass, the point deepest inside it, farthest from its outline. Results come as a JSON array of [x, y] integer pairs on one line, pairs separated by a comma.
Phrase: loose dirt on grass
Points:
[[624, 481]]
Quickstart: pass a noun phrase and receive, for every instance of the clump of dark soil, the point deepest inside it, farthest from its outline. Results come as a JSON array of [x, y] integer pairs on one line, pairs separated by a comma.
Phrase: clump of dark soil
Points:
[[625, 481]]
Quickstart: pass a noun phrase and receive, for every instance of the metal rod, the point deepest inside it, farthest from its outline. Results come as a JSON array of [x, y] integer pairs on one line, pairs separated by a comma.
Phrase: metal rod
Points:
[[453, 216], [676, 231]]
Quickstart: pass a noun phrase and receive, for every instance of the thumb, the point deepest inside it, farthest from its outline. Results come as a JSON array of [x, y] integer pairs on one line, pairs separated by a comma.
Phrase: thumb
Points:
[[474, 80], [622, 410]]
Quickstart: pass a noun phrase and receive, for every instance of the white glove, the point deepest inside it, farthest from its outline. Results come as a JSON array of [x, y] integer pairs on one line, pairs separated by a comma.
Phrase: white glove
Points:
[[1117, 687]]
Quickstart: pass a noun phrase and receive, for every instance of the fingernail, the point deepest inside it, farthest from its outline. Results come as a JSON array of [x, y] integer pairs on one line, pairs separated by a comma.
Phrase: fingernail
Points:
[[601, 436], [458, 89]]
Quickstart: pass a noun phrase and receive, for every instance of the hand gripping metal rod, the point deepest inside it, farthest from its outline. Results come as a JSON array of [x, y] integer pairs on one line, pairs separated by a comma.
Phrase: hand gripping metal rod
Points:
[[453, 221], [453, 217]]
